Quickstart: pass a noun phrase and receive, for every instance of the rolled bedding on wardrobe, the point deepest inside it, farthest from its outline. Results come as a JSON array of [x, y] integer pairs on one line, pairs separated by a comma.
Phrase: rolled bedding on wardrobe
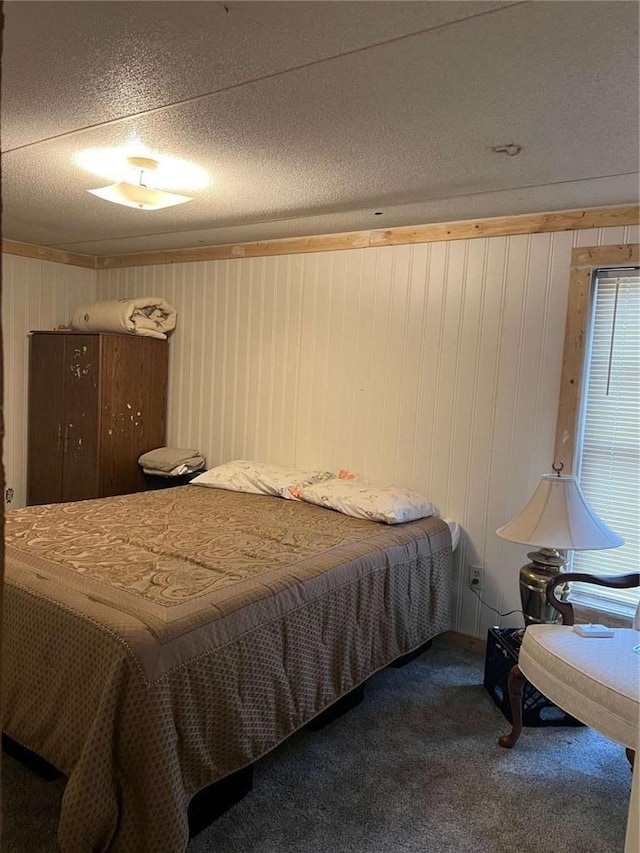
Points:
[[150, 316]]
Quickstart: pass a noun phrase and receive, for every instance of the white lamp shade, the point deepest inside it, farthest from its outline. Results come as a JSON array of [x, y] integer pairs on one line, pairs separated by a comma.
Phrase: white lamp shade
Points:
[[558, 516], [143, 198]]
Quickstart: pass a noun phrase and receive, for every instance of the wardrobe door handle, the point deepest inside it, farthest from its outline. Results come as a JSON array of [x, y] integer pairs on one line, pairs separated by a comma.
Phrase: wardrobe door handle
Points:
[[66, 437], [59, 439]]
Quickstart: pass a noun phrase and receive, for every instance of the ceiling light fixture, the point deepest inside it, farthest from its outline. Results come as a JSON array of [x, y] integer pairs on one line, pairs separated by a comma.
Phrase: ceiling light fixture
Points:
[[139, 195], [171, 173]]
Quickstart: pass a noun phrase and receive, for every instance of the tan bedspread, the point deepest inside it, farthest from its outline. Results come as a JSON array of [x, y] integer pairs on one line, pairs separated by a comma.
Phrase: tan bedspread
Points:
[[157, 642]]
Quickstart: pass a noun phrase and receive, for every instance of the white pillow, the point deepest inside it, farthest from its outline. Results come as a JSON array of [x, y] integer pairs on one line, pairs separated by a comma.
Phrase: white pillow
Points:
[[259, 478], [361, 498]]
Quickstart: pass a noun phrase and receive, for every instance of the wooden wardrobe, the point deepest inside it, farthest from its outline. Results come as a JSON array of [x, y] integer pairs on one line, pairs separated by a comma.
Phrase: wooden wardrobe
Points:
[[96, 402]]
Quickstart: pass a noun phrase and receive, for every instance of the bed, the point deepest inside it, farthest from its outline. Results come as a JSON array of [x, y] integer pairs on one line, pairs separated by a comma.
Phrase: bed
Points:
[[158, 642]]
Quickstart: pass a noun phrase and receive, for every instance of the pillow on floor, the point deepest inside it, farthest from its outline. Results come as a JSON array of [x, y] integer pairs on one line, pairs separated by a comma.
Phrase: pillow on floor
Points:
[[259, 478], [362, 498]]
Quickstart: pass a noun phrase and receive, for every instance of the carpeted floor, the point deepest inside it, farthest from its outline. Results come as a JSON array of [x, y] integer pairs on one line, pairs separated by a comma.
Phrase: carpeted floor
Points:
[[414, 769]]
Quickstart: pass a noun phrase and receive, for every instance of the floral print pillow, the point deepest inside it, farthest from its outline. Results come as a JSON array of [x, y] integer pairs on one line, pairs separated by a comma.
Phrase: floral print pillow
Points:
[[361, 498], [259, 478]]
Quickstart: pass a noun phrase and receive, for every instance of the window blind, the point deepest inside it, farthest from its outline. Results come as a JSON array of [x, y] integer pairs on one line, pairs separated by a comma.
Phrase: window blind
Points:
[[609, 446]]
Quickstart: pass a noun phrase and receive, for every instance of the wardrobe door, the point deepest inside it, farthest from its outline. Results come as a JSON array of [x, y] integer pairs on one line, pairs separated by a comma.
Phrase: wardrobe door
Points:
[[133, 409], [46, 419], [81, 375]]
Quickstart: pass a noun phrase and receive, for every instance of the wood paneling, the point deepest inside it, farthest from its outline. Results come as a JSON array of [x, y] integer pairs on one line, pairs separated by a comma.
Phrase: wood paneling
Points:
[[433, 365]]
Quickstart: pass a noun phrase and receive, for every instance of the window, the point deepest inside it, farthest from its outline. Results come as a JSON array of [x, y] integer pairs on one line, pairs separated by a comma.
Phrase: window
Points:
[[608, 447], [598, 429]]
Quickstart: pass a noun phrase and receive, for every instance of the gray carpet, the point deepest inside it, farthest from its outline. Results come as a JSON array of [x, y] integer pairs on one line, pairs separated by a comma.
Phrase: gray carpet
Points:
[[414, 769]]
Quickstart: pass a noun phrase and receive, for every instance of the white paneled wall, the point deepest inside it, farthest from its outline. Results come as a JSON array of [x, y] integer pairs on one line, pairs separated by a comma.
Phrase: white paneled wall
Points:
[[436, 366], [35, 295]]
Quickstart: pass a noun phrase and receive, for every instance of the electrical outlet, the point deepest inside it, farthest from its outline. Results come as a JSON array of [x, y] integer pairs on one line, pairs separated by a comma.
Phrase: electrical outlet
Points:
[[8, 495], [475, 577]]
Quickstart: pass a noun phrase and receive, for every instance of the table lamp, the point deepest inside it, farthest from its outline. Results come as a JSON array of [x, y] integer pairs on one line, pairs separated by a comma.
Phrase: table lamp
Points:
[[557, 517]]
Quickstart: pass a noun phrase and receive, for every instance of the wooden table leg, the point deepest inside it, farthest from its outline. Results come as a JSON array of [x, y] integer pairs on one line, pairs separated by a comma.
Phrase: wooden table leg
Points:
[[516, 685]]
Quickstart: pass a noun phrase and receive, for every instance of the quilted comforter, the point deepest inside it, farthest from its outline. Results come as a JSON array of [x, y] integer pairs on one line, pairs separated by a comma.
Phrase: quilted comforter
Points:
[[157, 642]]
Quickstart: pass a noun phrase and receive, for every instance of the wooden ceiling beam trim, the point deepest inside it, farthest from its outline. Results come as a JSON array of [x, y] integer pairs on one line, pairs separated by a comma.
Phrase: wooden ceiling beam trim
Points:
[[569, 220], [44, 253]]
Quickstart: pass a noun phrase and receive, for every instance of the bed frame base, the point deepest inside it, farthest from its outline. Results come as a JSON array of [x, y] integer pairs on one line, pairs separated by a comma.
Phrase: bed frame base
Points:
[[213, 801], [405, 659], [333, 712]]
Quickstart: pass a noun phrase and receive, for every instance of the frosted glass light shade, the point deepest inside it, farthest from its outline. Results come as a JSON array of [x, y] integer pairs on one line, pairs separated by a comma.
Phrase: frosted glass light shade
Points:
[[558, 516], [142, 198]]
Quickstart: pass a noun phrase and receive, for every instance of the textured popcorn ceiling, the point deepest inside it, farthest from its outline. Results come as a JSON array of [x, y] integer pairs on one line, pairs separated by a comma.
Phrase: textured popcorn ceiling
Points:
[[310, 116]]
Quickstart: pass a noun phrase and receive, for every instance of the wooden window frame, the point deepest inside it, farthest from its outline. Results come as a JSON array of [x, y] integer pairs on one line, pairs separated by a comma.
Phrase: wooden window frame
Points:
[[584, 263]]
